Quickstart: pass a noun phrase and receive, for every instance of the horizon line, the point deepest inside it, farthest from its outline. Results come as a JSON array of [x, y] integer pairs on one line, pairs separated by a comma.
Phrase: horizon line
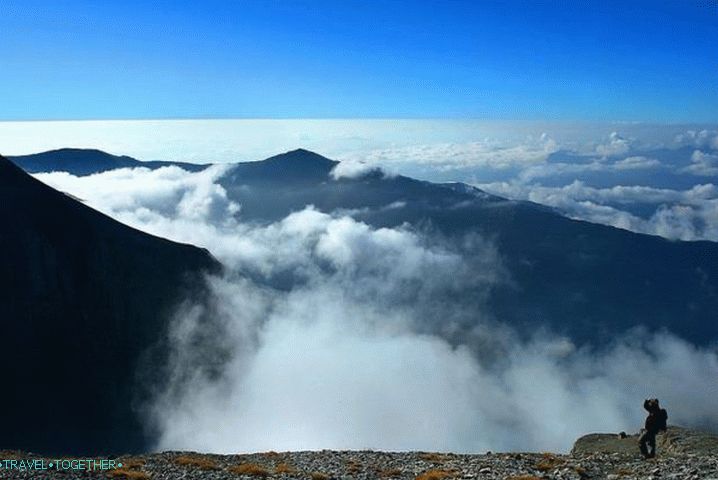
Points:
[[398, 118]]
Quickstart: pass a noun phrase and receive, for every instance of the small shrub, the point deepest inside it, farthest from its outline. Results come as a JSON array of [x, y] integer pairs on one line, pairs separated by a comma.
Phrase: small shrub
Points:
[[251, 469], [353, 467], [549, 462], [319, 476], [128, 474], [436, 475], [524, 477], [432, 457], [196, 462], [132, 463], [284, 468]]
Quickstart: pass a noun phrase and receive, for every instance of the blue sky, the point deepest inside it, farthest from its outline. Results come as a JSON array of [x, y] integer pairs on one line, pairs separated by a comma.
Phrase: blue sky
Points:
[[653, 61]]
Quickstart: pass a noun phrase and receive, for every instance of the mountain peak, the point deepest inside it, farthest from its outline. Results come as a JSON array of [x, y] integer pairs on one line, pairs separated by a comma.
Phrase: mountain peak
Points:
[[296, 165], [303, 156]]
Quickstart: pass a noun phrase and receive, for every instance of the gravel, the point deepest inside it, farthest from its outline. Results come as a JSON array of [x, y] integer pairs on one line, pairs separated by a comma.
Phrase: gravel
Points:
[[674, 461]]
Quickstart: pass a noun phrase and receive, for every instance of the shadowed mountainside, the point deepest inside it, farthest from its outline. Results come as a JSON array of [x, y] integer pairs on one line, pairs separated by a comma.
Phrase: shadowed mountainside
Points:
[[84, 300]]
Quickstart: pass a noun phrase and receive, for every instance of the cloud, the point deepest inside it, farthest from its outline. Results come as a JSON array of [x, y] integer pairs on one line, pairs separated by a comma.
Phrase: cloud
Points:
[[354, 169], [680, 215], [705, 138], [636, 163], [487, 153], [318, 377], [703, 164], [328, 333], [555, 169], [617, 145]]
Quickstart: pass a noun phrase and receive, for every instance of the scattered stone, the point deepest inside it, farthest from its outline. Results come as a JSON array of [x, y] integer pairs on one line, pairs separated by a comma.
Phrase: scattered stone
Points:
[[593, 457]]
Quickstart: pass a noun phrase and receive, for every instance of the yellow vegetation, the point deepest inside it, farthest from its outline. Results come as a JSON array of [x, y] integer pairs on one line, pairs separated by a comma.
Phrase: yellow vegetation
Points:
[[432, 457], [251, 469], [128, 474], [197, 462], [284, 468], [436, 475], [549, 462]]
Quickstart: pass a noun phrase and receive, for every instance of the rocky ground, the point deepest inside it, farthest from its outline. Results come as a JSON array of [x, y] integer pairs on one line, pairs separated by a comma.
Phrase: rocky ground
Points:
[[683, 454]]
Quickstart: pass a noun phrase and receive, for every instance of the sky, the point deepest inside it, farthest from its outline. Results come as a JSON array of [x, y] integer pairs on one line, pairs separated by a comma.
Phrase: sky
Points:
[[635, 61]]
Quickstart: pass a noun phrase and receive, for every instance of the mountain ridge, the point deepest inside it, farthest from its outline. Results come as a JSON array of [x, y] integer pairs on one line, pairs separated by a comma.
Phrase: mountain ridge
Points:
[[88, 161], [83, 300], [588, 281]]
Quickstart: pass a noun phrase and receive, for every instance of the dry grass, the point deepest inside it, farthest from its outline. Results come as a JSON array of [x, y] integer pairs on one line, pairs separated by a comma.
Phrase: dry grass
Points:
[[251, 469], [284, 468], [128, 474], [549, 462], [11, 454], [436, 475], [582, 472], [353, 467], [197, 462], [319, 476], [132, 463], [432, 457], [130, 469]]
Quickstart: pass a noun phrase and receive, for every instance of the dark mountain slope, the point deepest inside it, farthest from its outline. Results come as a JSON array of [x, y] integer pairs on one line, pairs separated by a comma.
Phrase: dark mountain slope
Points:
[[586, 280], [83, 298], [82, 162]]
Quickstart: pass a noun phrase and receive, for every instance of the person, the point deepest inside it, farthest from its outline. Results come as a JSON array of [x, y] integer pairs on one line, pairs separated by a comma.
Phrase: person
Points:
[[655, 422]]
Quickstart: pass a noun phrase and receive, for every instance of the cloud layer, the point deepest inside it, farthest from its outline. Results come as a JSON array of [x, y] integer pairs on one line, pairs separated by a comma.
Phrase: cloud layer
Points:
[[328, 333]]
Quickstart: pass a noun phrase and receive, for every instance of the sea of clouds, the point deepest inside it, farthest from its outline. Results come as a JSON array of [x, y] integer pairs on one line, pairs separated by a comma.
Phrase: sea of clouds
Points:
[[654, 179], [325, 332]]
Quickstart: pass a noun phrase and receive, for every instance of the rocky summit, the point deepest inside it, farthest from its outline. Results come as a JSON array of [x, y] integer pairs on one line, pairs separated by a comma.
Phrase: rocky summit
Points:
[[682, 454]]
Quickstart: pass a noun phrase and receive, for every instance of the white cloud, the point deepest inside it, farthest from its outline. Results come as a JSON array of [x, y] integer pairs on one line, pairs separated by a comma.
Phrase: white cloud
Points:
[[678, 214], [487, 153], [354, 169], [704, 138], [617, 145], [636, 163], [703, 164]]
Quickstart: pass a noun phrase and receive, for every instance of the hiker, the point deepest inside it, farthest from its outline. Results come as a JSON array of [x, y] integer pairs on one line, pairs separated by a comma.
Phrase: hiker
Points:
[[655, 422]]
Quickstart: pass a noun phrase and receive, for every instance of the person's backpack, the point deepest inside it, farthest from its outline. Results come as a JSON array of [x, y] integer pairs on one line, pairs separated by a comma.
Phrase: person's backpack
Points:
[[662, 420]]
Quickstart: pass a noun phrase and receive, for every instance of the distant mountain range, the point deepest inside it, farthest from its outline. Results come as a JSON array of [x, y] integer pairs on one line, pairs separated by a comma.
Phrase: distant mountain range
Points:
[[84, 304], [83, 293], [585, 280], [81, 162]]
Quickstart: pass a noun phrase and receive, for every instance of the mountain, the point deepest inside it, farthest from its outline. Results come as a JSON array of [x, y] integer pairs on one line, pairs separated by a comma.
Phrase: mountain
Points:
[[81, 162], [84, 304], [587, 281]]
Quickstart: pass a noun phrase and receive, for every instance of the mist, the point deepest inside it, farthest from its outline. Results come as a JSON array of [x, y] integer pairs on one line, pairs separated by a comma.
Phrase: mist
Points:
[[325, 332]]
